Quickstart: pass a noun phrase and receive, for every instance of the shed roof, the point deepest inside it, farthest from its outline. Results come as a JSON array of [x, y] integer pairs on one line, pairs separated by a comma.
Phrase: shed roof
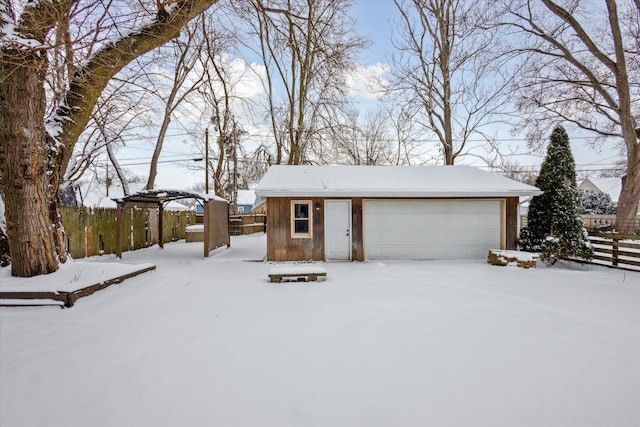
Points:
[[388, 181]]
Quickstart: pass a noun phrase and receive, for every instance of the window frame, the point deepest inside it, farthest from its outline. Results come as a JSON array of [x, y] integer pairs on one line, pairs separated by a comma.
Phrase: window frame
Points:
[[309, 219]]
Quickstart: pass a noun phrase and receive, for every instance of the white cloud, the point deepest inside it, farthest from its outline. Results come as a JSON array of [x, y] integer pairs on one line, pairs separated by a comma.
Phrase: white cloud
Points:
[[368, 81], [248, 78]]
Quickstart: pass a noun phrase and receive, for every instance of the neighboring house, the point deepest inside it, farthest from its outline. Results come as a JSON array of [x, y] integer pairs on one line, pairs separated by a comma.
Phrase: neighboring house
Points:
[[94, 194], [246, 199], [611, 186], [388, 212]]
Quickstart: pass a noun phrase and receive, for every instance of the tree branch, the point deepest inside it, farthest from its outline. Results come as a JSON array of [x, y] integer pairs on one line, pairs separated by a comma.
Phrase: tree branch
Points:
[[90, 80]]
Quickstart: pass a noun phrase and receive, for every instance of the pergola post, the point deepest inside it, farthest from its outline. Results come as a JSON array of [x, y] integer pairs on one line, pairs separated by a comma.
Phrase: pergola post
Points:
[[160, 225], [214, 230]]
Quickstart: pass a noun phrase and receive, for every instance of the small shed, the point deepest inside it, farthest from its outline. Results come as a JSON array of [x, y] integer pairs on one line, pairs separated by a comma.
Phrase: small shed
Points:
[[389, 212], [216, 215]]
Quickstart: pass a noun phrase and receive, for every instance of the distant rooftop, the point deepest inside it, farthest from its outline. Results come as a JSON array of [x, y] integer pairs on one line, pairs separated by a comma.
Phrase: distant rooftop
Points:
[[611, 186]]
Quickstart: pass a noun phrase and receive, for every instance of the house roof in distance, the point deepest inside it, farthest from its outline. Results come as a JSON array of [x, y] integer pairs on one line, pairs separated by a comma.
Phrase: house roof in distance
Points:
[[388, 181], [611, 186], [157, 196]]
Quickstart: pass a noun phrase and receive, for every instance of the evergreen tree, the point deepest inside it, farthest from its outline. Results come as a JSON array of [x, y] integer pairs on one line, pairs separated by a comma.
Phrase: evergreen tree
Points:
[[554, 224], [596, 203]]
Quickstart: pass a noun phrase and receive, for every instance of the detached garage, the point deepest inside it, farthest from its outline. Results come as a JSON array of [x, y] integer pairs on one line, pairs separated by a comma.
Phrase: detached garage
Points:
[[323, 213]]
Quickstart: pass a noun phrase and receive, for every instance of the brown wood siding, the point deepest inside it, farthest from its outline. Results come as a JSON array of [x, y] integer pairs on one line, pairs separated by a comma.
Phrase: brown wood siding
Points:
[[217, 226], [357, 231], [511, 223], [280, 245]]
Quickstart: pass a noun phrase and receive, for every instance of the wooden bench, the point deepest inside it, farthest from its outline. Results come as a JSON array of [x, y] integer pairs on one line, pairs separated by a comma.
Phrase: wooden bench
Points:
[[299, 273]]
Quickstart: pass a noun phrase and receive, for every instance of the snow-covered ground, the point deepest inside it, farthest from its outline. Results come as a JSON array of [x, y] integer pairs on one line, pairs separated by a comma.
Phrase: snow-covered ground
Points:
[[210, 342]]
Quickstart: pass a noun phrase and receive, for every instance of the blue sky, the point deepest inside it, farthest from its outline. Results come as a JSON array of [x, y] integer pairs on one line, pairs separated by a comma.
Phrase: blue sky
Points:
[[378, 19], [375, 20]]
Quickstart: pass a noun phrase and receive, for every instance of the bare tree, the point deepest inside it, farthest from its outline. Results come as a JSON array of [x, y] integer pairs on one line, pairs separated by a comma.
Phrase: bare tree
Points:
[[451, 84], [119, 113], [220, 104], [34, 156], [185, 81], [586, 71], [364, 139], [307, 47]]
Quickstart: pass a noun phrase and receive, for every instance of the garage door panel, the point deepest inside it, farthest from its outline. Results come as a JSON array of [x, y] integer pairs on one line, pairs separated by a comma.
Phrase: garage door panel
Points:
[[430, 229]]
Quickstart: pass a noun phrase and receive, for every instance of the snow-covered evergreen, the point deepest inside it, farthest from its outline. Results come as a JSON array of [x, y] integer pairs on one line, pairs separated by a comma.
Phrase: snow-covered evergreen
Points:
[[596, 203], [554, 224]]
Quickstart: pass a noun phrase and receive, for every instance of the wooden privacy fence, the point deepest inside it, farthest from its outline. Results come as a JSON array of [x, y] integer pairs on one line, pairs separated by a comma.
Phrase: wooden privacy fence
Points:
[[92, 231], [247, 224], [599, 223], [616, 250]]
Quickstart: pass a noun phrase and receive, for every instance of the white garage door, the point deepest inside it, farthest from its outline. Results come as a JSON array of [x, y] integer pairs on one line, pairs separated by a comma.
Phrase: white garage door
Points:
[[455, 229]]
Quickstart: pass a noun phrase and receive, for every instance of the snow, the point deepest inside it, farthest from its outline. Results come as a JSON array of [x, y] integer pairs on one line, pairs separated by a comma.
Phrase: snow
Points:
[[521, 255], [388, 181], [209, 341], [246, 197], [12, 38], [94, 194], [71, 276], [301, 269]]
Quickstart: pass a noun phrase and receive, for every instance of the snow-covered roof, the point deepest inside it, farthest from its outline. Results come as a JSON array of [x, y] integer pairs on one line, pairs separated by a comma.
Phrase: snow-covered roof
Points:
[[94, 194], [611, 186], [388, 181], [246, 197], [161, 195], [176, 206]]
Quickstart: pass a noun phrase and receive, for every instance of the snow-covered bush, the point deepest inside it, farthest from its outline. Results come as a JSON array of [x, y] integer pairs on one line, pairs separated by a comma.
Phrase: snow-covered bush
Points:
[[554, 248], [596, 203]]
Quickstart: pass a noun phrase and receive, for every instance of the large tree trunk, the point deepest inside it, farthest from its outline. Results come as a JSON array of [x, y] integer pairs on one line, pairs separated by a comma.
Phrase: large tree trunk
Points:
[[630, 193], [626, 217], [29, 171], [24, 162]]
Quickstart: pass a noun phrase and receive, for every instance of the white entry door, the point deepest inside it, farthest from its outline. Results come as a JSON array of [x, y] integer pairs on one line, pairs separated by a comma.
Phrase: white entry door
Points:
[[337, 229]]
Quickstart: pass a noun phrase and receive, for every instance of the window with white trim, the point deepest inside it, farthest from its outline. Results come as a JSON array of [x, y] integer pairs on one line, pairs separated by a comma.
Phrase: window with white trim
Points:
[[301, 223]]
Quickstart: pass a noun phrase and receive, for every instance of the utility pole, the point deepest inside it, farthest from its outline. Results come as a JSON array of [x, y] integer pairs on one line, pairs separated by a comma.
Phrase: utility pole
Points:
[[235, 165], [107, 181], [206, 161]]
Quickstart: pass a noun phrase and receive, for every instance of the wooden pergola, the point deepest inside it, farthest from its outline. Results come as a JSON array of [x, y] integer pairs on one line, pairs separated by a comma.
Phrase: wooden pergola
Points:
[[216, 215]]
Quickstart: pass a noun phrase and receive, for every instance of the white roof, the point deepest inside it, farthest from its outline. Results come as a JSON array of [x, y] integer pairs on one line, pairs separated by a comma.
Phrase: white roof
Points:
[[388, 181], [611, 186], [176, 206], [246, 197]]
